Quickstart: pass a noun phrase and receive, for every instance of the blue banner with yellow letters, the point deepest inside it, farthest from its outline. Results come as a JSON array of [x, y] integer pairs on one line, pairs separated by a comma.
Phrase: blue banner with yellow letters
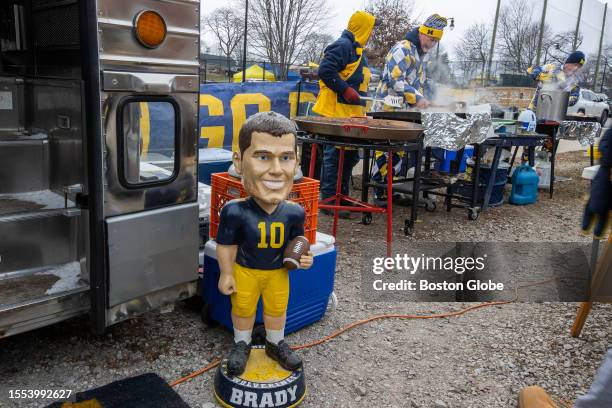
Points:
[[224, 107]]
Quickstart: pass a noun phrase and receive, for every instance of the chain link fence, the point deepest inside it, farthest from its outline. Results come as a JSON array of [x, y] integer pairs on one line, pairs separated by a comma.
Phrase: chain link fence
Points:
[[219, 69], [457, 74], [470, 74]]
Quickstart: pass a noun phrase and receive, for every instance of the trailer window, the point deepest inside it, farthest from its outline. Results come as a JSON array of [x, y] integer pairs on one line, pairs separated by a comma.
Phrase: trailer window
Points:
[[148, 142]]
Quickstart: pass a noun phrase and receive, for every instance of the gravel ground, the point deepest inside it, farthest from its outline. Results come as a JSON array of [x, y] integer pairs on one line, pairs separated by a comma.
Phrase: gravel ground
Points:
[[481, 359], [556, 219]]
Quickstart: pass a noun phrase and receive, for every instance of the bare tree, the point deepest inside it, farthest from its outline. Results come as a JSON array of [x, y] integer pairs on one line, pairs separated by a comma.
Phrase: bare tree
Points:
[[396, 18], [559, 46], [238, 55], [465, 69], [314, 47], [473, 50], [518, 36], [204, 46], [279, 29], [228, 27], [532, 41], [587, 73]]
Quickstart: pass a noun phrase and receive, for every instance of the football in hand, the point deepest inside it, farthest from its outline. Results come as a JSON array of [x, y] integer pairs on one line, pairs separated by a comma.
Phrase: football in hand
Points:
[[297, 247]]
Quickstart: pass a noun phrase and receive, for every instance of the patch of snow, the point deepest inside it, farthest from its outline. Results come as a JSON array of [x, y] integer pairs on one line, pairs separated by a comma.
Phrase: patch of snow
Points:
[[68, 275]]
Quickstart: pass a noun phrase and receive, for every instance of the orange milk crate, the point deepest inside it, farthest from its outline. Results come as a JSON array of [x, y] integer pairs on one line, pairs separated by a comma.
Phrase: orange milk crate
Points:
[[305, 192]]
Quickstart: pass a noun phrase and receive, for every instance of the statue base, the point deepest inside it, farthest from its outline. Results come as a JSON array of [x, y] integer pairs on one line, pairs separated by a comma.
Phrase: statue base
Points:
[[264, 383]]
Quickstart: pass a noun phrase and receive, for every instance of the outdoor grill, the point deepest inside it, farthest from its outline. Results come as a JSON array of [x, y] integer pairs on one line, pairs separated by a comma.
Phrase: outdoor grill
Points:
[[367, 134], [363, 128]]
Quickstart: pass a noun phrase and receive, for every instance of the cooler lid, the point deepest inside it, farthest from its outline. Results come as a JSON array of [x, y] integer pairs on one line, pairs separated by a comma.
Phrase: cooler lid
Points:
[[214, 154]]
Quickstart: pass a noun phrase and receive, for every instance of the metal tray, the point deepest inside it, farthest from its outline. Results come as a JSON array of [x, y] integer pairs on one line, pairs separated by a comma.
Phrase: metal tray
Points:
[[405, 116], [360, 128]]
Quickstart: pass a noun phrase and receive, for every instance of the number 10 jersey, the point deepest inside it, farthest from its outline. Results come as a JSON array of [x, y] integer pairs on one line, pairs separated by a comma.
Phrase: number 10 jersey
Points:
[[261, 237]]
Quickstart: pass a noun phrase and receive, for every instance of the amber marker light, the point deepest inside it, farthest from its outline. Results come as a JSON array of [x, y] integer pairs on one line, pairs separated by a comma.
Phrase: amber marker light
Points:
[[150, 28]]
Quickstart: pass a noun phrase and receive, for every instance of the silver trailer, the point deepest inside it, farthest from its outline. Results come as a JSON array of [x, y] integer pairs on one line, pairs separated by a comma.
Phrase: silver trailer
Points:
[[98, 159]]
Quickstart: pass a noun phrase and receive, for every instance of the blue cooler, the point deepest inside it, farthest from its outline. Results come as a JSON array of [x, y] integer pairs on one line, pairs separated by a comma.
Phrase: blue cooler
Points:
[[444, 164], [309, 289], [212, 160]]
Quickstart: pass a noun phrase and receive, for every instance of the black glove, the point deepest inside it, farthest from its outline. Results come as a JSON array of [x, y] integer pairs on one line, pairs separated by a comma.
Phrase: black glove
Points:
[[597, 211]]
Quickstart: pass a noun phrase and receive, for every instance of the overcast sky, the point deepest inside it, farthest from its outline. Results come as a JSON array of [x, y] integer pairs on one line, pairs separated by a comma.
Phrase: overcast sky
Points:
[[561, 16]]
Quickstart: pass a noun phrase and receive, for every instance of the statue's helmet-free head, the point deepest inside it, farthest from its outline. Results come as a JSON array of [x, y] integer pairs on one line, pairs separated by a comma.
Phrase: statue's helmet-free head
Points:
[[267, 160]]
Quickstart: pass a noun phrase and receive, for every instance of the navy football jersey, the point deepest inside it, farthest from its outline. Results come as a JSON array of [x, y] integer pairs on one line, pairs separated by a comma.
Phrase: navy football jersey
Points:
[[261, 237]]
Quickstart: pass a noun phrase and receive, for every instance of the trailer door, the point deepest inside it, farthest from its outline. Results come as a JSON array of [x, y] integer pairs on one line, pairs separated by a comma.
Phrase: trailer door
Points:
[[148, 61]]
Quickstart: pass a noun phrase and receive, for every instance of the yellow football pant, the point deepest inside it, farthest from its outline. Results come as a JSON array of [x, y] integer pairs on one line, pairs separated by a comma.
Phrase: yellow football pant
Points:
[[272, 285]]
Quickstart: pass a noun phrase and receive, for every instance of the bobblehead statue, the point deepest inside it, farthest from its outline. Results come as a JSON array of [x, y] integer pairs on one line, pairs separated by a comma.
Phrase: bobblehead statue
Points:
[[252, 237]]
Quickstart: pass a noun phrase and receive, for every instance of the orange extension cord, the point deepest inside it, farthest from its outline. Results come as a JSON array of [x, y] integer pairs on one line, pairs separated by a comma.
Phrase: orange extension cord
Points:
[[380, 317]]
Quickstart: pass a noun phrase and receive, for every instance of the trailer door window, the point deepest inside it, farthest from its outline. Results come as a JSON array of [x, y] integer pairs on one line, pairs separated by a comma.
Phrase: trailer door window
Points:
[[148, 141]]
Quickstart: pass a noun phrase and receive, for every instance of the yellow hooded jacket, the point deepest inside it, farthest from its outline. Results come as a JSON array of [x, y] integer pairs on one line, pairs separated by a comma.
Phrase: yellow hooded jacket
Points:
[[344, 65]]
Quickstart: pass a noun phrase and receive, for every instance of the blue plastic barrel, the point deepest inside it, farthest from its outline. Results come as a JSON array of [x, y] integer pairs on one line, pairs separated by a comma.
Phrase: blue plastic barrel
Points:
[[464, 187]]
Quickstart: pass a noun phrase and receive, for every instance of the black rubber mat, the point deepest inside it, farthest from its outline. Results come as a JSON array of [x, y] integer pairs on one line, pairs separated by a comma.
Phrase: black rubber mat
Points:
[[147, 390]]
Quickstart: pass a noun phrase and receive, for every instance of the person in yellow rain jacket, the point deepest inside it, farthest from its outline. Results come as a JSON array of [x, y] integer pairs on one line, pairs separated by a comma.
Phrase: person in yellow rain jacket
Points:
[[344, 79]]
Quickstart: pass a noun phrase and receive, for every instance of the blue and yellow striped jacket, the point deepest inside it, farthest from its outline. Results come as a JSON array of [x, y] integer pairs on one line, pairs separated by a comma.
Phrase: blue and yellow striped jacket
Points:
[[553, 73], [404, 72]]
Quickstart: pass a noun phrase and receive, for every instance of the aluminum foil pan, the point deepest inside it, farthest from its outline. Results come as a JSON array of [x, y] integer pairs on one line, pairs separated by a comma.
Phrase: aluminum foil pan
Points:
[[448, 131], [584, 132]]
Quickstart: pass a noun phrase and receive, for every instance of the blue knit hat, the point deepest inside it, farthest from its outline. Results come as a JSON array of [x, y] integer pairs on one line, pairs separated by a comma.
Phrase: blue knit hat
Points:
[[576, 57]]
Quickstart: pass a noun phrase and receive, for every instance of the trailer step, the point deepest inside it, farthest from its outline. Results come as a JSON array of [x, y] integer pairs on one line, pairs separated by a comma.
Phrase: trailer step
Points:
[[37, 297], [26, 316], [32, 202], [25, 285]]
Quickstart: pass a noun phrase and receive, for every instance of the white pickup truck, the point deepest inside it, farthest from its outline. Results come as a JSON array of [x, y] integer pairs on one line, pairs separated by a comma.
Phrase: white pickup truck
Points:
[[591, 104]]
